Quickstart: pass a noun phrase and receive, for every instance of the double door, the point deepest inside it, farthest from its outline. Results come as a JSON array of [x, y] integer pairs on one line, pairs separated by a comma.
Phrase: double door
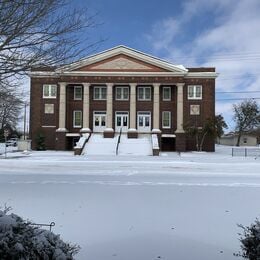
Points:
[[144, 121], [121, 121], [99, 122]]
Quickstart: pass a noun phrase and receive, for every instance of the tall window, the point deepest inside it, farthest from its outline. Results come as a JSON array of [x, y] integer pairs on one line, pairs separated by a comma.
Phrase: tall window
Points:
[[122, 93], [144, 93], [100, 93], [77, 118], [49, 91], [166, 93], [166, 119], [194, 92], [77, 92]]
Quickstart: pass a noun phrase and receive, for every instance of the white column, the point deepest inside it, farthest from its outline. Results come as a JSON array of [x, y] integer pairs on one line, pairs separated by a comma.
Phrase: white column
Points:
[[62, 108], [86, 108], [179, 108], [109, 123], [132, 106], [156, 107]]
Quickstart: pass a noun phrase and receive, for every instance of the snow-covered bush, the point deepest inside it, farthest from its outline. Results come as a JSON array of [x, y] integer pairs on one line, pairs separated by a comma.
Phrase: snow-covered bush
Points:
[[250, 240], [21, 240]]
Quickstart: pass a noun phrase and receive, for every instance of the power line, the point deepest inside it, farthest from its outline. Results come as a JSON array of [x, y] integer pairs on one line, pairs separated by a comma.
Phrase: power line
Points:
[[236, 92], [228, 99]]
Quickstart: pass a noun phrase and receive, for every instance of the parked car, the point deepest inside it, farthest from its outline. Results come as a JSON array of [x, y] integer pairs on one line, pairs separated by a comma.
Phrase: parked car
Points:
[[11, 142]]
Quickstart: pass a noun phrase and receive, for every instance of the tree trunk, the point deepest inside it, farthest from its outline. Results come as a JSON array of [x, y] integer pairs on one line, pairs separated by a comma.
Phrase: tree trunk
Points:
[[202, 141], [238, 138], [197, 142]]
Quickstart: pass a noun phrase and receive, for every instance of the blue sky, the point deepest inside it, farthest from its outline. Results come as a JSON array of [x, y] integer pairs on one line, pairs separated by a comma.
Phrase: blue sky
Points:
[[220, 33]]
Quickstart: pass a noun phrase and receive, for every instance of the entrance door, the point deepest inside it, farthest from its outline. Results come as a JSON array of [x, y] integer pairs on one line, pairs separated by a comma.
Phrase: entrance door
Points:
[[144, 121], [99, 121], [121, 121]]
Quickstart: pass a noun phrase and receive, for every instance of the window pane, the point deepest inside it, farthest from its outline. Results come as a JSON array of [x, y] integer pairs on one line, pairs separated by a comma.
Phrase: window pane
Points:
[[125, 91], [118, 121], [46, 90], [190, 91], [166, 119], [78, 92], [96, 93], [53, 91], [103, 93], [140, 93], [198, 91], [147, 121], [125, 121], [147, 93], [141, 121], [118, 93], [166, 93], [77, 118], [97, 120], [103, 121]]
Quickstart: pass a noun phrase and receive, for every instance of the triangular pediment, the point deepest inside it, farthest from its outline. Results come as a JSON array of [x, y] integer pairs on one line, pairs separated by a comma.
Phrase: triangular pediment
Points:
[[121, 62], [123, 59]]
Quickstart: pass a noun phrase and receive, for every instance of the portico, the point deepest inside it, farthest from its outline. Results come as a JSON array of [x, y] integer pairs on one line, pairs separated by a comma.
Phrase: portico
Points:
[[120, 90]]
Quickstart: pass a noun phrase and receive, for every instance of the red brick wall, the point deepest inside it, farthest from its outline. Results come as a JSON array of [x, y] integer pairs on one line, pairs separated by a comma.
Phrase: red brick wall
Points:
[[38, 118]]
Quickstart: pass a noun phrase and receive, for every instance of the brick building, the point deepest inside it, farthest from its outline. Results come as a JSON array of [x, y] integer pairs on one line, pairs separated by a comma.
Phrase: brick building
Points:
[[125, 89]]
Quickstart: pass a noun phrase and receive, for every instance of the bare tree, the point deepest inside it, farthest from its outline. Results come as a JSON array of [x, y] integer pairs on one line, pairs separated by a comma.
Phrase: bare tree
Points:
[[10, 108], [209, 128], [246, 117], [41, 33]]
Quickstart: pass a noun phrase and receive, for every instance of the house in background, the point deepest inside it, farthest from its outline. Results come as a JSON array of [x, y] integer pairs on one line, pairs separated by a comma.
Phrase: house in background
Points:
[[121, 89], [250, 138]]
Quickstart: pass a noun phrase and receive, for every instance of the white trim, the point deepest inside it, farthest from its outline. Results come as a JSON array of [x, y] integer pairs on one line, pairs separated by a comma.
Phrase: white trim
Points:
[[144, 98], [100, 93], [194, 92], [205, 74], [74, 112], [144, 129], [129, 52], [79, 87], [72, 134], [169, 126], [121, 114], [168, 135], [166, 99], [122, 93], [51, 126], [49, 91], [100, 128], [43, 74]]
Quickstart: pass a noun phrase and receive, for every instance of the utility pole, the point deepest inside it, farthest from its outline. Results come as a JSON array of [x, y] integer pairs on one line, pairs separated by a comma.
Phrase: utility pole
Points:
[[24, 123]]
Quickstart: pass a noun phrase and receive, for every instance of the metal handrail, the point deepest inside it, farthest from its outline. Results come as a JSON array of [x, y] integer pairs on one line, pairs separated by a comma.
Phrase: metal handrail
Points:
[[118, 140], [52, 224]]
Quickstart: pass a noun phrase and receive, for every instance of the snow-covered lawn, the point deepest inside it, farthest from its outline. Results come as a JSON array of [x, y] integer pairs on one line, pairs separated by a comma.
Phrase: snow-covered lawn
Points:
[[127, 207]]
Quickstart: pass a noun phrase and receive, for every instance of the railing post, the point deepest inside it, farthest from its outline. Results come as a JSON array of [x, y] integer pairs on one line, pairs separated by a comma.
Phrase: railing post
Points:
[[245, 152], [232, 151]]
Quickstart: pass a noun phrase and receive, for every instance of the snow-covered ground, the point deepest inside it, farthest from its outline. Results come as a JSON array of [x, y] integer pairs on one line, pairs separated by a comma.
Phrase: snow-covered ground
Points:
[[137, 207]]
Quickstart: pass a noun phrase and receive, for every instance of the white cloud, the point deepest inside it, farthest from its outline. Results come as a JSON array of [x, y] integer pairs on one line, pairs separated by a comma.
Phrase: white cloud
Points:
[[229, 41]]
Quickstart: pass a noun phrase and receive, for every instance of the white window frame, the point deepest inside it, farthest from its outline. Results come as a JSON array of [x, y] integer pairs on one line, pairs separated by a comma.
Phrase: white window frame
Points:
[[122, 93], [166, 126], [170, 94], [49, 86], [74, 118], [144, 93], [100, 93], [78, 87], [194, 92]]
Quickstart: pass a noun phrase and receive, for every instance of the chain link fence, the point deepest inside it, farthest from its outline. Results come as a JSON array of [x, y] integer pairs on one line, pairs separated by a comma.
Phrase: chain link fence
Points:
[[246, 152]]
